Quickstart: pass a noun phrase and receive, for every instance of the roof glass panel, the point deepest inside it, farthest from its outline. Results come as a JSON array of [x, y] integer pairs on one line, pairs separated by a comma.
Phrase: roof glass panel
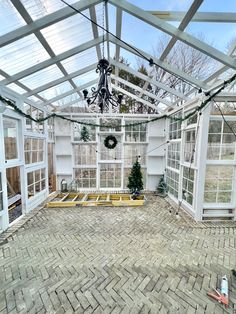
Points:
[[16, 88], [42, 77], [131, 35], [218, 35], [22, 54], [80, 60], [10, 18], [41, 8], [56, 90], [66, 100], [182, 5], [69, 33], [85, 78]]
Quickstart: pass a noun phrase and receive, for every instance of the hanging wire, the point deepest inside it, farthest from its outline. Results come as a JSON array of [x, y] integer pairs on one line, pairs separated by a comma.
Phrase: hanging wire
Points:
[[150, 60]]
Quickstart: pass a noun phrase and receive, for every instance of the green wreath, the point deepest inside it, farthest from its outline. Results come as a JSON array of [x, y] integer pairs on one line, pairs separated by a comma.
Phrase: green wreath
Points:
[[110, 142]]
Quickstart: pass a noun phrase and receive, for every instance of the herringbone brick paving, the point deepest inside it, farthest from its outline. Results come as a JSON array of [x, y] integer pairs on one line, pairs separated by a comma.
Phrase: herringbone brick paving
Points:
[[116, 260]]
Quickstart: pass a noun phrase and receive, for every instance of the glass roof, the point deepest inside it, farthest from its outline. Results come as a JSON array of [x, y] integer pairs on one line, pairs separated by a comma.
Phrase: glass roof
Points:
[[56, 90], [26, 47], [68, 33], [80, 60], [22, 54], [10, 18], [42, 77]]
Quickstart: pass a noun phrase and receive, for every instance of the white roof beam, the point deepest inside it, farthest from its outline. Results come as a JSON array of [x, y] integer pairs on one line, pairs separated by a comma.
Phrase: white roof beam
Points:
[[184, 23], [146, 78], [162, 64], [123, 91], [118, 34], [45, 21], [95, 30], [211, 17], [139, 89], [173, 31], [61, 80]]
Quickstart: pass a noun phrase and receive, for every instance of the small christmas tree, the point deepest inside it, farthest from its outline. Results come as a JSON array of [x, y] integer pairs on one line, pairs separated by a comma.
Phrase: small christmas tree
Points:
[[162, 187], [135, 182], [84, 134]]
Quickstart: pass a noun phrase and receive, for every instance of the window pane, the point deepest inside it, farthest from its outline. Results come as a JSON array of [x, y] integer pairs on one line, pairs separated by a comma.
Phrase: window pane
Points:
[[10, 138]]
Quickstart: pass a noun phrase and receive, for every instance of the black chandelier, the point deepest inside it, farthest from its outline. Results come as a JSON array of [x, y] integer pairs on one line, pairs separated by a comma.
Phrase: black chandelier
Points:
[[102, 98]]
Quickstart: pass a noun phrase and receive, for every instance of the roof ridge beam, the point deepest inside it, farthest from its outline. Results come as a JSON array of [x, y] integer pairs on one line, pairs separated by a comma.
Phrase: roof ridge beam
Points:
[[173, 31]]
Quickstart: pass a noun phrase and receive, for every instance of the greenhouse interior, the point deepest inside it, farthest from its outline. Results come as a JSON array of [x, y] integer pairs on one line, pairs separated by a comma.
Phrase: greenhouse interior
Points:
[[117, 157], [89, 88]]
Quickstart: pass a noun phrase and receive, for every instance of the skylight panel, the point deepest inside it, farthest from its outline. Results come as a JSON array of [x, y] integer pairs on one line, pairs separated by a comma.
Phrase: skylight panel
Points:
[[10, 17], [41, 8], [85, 78], [68, 33], [81, 60], [22, 54], [42, 77], [66, 100], [56, 90], [16, 88]]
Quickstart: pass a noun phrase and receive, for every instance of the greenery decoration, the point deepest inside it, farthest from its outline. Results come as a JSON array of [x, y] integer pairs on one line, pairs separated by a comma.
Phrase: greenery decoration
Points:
[[110, 142], [135, 179], [84, 134], [162, 187], [164, 116]]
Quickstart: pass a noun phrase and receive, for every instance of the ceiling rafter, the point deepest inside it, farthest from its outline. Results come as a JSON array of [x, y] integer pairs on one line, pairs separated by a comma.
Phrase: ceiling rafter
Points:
[[175, 32], [138, 89], [147, 103], [211, 17], [118, 34], [146, 78]]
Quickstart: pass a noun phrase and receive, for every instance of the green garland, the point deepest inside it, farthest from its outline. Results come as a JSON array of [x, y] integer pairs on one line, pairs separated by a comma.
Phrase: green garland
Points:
[[110, 142], [54, 115]]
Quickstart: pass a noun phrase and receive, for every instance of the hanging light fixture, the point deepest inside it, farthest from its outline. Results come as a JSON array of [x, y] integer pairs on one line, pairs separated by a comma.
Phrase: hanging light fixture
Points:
[[102, 99]]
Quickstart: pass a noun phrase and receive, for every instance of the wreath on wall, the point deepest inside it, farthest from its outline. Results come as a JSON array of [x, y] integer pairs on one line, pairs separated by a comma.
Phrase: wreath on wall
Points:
[[110, 142]]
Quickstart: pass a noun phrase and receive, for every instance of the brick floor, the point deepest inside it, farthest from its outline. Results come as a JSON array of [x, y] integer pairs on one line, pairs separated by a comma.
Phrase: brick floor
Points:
[[115, 260]]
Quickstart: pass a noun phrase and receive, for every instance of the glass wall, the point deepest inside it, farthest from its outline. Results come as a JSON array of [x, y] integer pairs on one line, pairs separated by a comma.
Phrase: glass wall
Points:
[[34, 150], [86, 178], [110, 175], [1, 193]]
